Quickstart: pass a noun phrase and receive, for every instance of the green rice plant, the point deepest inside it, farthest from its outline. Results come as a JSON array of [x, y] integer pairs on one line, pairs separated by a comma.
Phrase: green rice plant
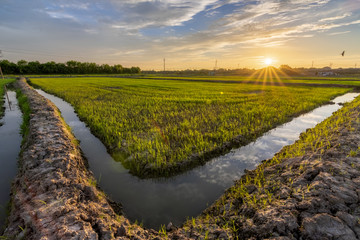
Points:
[[158, 127]]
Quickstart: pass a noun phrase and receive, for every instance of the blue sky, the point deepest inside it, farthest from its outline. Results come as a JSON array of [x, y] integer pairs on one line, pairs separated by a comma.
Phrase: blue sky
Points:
[[189, 34]]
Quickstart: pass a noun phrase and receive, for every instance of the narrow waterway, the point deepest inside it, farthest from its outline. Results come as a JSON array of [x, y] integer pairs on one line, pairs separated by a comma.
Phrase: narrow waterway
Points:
[[157, 202], [10, 141]]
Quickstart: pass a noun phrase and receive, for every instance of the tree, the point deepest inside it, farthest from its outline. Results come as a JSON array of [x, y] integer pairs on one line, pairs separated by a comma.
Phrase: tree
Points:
[[135, 70], [70, 67], [288, 70], [22, 66], [33, 67]]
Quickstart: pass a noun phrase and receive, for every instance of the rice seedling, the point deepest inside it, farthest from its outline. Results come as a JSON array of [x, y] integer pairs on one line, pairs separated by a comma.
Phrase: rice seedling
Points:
[[161, 127]]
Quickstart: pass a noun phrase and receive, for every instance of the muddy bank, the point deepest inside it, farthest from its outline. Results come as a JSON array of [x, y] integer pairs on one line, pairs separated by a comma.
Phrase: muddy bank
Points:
[[309, 194], [54, 195], [310, 190]]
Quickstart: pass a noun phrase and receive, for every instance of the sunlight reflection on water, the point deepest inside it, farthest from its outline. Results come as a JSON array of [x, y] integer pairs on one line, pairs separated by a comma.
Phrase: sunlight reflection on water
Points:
[[159, 201]]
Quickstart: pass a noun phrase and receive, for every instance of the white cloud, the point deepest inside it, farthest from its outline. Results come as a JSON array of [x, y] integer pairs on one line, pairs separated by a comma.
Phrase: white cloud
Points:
[[335, 18], [61, 15], [338, 33], [140, 14], [145, 29]]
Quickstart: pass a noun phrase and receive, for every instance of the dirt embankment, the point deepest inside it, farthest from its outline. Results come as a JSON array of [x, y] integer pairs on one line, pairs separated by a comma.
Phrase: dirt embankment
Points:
[[313, 194], [54, 195]]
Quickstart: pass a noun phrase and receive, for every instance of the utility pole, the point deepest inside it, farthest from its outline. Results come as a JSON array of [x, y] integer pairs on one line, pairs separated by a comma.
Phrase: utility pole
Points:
[[164, 64], [312, 65], [2, 76], [215, 65]]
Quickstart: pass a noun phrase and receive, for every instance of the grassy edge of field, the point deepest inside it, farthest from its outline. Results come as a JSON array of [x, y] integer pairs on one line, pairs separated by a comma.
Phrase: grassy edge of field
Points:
[[24, 130], [2, 95], [195, 160]]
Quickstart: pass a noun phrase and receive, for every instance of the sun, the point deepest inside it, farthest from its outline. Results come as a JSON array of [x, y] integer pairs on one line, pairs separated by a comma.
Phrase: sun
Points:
[[268, 61]]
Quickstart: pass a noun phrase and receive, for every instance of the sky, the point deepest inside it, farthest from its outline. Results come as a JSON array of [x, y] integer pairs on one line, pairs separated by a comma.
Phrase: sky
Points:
[[188, 34]]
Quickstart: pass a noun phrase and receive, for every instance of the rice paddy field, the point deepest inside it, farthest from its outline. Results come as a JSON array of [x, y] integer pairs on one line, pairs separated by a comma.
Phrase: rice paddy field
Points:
[[155, 127], [267, 79]]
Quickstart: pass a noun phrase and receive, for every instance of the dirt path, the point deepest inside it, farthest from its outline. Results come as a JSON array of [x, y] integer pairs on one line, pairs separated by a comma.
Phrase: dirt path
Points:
[[54, 195]]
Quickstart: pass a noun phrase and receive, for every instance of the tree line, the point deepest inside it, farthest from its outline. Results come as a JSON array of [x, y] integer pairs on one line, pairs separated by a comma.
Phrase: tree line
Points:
[[70, 67]]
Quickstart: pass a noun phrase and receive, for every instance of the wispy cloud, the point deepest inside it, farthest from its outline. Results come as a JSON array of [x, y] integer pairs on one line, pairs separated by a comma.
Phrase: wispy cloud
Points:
[[338, 33], [183, 29], [61, 15], [141, 14], [272, 23], [335, 18]]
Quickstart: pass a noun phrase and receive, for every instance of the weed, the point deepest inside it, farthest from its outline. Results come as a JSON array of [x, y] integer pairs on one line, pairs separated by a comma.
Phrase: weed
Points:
[[162, 231], [352, 153], [41, 201], [92, 182]]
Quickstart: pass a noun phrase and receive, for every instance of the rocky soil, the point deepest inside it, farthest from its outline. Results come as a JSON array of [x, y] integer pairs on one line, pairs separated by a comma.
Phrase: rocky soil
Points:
[[310, 190]]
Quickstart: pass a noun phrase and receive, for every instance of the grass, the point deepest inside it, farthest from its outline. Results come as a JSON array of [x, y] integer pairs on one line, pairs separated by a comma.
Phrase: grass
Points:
[[25, 109], [154, 127], [265, 78], [2, 92]]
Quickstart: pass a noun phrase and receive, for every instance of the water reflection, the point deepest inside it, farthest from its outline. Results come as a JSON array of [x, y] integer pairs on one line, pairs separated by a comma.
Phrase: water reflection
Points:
[[10, 140], [156, 202]]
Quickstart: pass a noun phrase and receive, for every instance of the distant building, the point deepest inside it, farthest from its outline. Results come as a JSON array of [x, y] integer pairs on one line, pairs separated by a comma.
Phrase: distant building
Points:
[[326, 74]]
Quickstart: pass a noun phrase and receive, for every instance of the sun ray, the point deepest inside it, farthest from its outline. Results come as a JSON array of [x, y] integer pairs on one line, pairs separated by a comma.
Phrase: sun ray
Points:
[[262, 72], [252, 76], [271, 70], [278, 79], [265, 79]]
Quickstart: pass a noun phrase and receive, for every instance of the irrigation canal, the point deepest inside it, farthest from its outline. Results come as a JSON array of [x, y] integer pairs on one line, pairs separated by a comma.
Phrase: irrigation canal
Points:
[[157, 202], [10, 141]]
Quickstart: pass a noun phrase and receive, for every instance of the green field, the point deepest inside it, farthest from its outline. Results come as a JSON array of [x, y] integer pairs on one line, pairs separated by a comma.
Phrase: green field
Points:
[[160, 127], [269, 80], [2, 92]]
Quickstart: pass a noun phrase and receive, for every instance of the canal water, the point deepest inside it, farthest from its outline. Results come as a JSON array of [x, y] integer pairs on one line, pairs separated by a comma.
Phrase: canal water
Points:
[[157, 202], [10, 141]]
